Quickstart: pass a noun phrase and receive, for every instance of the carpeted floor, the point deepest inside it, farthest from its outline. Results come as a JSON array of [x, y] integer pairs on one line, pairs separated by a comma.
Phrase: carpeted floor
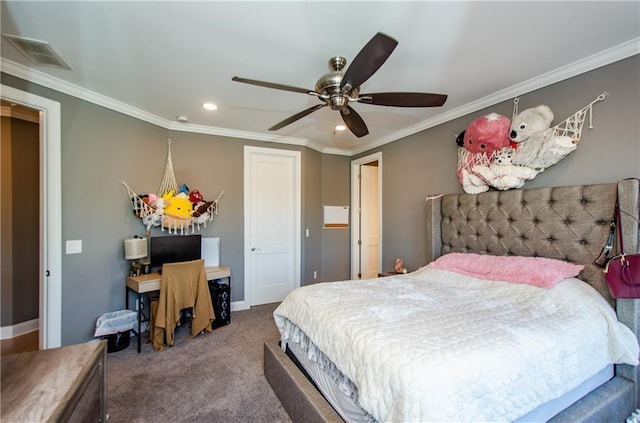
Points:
[[215, 377]]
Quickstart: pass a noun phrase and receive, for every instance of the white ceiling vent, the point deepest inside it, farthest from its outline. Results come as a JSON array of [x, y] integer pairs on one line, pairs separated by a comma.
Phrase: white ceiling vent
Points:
[[39, 52]]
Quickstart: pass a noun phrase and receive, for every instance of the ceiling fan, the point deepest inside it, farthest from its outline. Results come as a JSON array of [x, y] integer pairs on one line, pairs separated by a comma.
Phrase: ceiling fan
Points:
[[337, 89]]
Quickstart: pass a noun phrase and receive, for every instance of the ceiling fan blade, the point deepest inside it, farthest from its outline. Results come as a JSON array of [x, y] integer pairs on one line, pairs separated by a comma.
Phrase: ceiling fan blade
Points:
[[354, 122], [297, 116], [403, 99], [273, 85], [368, 61]]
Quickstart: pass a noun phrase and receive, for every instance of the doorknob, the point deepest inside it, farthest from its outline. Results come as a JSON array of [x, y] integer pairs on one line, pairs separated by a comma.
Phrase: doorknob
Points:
[[254, 248]]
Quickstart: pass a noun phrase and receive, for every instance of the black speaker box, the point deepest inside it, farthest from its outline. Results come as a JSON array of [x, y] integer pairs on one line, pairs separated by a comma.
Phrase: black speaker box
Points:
[[220, 291]]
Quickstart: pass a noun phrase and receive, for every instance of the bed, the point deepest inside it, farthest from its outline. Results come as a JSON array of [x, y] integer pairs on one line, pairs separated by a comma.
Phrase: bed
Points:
[[564, 223]]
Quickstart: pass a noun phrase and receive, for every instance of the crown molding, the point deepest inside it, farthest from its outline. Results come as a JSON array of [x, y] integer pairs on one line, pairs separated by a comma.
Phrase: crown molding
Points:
[[48, 81], [603, 58]]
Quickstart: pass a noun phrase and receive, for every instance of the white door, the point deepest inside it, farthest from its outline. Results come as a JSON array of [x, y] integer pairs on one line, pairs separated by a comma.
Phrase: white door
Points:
[[369, 264], [272, 223], [366, 216]]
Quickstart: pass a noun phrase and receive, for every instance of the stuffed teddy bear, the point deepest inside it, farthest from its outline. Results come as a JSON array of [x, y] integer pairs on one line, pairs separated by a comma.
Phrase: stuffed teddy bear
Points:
[[502, 174], [484, 135], [537, 145]]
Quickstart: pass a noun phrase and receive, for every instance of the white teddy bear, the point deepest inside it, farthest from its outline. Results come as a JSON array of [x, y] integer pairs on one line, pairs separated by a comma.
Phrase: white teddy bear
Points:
[[502, 174], [538, 146]]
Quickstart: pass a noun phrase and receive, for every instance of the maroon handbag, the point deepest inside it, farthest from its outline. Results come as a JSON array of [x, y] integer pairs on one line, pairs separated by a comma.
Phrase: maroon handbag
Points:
[[622, 272]]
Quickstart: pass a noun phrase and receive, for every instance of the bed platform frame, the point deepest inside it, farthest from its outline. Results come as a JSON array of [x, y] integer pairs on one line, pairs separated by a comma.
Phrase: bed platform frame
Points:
[[568, 223]]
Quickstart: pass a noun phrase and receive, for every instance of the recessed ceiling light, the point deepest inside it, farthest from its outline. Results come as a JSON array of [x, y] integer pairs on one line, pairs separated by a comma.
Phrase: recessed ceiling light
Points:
[[210, 106], [340, 127]]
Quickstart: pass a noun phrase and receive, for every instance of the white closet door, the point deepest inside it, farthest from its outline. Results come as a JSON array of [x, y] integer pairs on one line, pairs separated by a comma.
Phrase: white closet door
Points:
[[272, 223]]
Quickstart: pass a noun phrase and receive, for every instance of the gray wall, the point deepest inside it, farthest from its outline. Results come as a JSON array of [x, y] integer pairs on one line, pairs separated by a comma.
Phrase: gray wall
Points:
[[336, 191], [425, 163], [19, 195], [100, 147]]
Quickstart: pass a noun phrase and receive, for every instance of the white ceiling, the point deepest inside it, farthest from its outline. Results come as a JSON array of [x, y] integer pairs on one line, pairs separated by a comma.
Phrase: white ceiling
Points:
[[157, 60]]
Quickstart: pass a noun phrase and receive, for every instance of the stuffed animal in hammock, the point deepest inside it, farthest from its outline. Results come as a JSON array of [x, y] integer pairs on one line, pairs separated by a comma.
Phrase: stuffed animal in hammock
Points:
[[481, 139], [537, 144], [502, 174]]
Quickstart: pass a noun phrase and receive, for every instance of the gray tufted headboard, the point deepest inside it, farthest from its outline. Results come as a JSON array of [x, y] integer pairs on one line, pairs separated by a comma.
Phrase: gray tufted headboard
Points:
[[567, 223]]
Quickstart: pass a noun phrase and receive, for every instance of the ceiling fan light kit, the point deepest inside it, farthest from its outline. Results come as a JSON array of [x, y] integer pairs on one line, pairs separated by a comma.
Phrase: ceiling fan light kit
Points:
[[337, 89]]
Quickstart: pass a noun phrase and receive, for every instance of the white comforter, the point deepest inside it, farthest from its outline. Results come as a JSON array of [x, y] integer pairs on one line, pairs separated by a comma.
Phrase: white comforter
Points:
[[438, 346]]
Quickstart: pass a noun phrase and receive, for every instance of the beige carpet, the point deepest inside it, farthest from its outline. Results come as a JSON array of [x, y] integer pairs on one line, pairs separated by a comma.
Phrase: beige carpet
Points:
[[215, 377]]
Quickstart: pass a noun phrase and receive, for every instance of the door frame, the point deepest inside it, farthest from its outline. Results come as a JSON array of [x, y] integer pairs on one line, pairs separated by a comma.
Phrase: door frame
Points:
[[355, 209], [297, 156], [50, 266]]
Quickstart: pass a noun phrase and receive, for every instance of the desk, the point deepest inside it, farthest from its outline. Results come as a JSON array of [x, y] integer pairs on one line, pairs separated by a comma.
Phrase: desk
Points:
[[147, 284]]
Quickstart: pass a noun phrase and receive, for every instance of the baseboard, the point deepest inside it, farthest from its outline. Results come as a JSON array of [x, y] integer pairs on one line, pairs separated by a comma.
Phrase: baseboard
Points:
[[8, 332], [239, 305]]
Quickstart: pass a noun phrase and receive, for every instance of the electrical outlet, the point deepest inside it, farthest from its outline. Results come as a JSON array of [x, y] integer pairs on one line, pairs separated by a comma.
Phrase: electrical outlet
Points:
[[315, 274], [307, 232]]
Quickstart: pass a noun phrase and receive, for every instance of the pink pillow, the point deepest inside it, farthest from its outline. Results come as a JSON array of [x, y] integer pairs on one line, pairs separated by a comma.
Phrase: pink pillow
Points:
[[538, 271]]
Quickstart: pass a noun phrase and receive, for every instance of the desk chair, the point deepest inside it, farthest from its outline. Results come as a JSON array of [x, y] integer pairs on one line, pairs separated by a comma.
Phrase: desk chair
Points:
[[182, 285]]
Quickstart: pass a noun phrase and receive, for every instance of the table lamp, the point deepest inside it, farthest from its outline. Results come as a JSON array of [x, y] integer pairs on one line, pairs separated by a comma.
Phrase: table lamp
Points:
[[134, 249]]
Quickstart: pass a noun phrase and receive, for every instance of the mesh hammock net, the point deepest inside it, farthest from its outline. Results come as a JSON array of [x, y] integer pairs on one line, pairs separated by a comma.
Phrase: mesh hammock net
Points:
[[570, 127], [153, 213]]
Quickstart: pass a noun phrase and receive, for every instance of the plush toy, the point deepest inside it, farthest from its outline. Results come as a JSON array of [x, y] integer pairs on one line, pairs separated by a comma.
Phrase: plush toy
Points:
[[195, 196], [177, 214], [487, 134], [153, 219], [480, 140], [152, 199], [201, 208], [538, 145], [502, 174], [471, 183], [160, 204], [179, 206]]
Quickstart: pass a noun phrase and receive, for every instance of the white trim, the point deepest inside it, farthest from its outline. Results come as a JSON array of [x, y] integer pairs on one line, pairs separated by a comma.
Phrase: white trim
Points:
[[240, 305], [8, 332], [50, 213], [297, 156], [13, 68], [603, 58], [355, 208]]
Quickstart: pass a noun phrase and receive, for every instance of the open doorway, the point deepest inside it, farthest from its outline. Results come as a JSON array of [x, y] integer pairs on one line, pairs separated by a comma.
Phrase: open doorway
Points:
[[366, 216], [49, 225]]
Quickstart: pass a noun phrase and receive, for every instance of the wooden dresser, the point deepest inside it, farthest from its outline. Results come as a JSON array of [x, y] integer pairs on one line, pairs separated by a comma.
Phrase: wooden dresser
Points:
[[55, 385]]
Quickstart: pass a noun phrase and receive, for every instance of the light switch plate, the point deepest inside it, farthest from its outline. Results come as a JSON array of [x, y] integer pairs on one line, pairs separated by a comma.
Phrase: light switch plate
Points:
[[74, 246]]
